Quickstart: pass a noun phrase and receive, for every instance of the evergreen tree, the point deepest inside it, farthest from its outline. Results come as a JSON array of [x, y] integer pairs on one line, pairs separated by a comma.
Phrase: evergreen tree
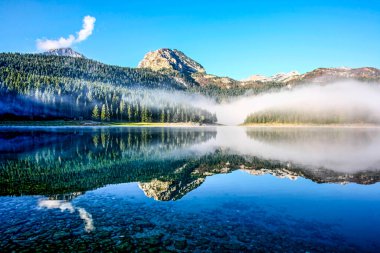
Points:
[[95, 113], [162, 116], [129, 112], [121, 108], [103, 114]]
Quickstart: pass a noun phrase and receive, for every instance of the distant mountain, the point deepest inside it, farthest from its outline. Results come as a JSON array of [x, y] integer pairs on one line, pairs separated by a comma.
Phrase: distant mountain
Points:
[[324, 75], [64, 52], [170, 59], [319, 75], [280, 77]]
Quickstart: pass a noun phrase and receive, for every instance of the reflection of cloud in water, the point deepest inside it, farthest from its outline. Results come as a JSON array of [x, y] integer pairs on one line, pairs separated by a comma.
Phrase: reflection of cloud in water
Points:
[[67, 206], [56, 204], [338, 149], [87, 218]]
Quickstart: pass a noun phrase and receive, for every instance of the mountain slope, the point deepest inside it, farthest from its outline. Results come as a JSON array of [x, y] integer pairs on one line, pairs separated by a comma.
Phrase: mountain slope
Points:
[[55, 87], [87, 70]]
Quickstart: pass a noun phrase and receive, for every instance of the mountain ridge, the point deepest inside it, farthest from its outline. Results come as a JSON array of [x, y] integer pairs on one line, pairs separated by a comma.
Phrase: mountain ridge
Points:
[[188, 72]]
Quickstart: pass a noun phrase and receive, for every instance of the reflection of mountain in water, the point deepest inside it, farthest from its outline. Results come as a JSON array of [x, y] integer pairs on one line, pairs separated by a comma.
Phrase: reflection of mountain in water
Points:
[[167, 163], [221, 163], [169, 190]]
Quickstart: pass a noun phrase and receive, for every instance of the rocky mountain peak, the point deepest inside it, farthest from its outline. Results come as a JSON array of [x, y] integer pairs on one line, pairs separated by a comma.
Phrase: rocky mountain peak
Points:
[[171, 59], [64, 52]]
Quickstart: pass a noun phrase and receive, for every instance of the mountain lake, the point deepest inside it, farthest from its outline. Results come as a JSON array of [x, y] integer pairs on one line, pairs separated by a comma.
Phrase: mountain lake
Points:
[[189, 189]]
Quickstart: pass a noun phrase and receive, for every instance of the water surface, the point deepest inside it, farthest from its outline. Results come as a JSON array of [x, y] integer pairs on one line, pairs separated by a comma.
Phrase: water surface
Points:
[[221, 189]]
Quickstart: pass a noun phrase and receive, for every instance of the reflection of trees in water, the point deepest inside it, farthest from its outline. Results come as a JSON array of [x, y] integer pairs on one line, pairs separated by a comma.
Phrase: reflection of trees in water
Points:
[[76, 143], [77, 162], [310, 135]]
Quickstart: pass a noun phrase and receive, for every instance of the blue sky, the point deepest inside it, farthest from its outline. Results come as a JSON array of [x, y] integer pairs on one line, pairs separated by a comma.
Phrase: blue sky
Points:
[[230, 38]]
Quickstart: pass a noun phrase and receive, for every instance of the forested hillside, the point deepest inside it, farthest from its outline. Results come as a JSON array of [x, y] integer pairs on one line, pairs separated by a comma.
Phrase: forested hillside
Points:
[[55, 87], [89, 70]]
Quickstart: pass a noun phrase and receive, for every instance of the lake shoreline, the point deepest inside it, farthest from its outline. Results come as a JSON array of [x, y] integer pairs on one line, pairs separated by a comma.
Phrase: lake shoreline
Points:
[[73, 123]]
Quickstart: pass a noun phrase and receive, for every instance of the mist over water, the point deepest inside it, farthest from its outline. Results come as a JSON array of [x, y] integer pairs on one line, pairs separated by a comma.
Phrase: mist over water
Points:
[[350, 99]]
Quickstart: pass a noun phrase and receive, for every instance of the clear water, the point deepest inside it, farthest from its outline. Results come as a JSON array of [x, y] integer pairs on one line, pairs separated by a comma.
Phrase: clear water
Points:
[[224, 189]]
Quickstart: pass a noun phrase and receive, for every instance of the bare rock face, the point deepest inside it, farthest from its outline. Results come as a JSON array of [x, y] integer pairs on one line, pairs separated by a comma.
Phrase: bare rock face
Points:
[[169, 59], [64, 52], [169, 190]]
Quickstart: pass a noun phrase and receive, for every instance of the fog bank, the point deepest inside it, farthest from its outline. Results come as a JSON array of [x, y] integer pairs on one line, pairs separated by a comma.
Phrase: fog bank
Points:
[[349, 98]]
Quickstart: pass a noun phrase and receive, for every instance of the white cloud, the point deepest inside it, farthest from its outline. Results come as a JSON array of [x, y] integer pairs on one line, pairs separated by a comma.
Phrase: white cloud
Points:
[[83, 34], [88, 27]]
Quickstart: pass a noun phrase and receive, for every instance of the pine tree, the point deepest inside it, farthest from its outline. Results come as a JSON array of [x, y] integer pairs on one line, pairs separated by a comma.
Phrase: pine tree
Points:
[[103, 115], [129, 112], [95, 113], [162, 117], [108, 114], [121, 108]]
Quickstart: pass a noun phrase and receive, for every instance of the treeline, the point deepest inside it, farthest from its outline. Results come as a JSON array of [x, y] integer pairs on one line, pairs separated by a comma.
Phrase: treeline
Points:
[[33, 89], [310, 117]]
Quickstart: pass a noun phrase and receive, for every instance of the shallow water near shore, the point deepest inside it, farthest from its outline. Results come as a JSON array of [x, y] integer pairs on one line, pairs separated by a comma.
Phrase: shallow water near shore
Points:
[[212, 189]]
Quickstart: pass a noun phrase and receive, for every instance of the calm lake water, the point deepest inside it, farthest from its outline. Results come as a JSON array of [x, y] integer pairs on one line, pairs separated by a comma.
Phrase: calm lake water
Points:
[[222, 189]]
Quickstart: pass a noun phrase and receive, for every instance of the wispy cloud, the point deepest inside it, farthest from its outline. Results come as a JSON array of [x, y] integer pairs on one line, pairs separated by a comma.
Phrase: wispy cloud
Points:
[[83, 34]]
